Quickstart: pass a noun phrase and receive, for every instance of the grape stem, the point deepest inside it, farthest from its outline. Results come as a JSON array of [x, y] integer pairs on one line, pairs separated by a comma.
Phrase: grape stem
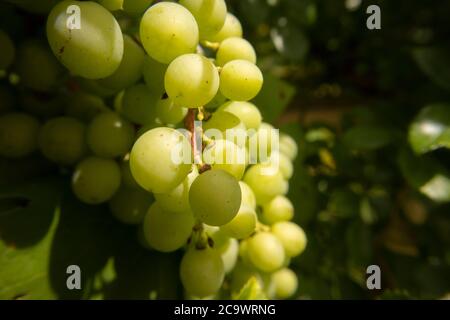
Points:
[[189, 123]]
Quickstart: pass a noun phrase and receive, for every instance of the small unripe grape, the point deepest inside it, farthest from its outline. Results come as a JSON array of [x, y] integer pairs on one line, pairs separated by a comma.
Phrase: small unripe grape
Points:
[[62, 140], [110, 136], [215, 197], [155, 159], [96, 180], [18, 135], [266, 252], [240, 80], [202, 272], [278, 209], [291, 236], [285, 283]]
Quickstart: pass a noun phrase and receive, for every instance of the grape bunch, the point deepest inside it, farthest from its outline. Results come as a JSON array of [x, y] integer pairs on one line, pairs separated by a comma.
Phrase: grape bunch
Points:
[[149, 107]]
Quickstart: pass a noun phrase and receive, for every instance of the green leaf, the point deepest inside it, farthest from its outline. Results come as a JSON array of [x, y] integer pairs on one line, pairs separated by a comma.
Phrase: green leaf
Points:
[[368, 137], [426, 175], [430, 130], [343, 203], [251, 291], [274, 97], [435, 63]]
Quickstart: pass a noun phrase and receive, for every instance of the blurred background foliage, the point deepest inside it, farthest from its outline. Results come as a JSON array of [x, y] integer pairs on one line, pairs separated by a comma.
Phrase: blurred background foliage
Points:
[[370, 110]]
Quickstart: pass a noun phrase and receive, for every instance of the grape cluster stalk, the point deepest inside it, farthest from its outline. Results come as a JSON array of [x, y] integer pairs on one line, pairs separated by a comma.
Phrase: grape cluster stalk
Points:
[[117, 90]]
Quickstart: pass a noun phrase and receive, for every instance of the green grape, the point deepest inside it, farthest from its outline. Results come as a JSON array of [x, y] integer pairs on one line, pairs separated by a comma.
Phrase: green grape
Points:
[[168, 30], [240, 80], [219, 237], [266, 182], [262, 143], [167, 231], [288, 146], [18, 135], [247, 112], [229, 254], [278, 209], [285, 282], [7, 100], [235, 49], [191, 81], [94, 50], [217, 101], [286, 166], [136, 7], [111, 5], [248, 197], [242, 225], [7, 49], [202, 272], [129, 205], [130, 68], [169, 113], [127, 178], [84, 106], [225, 125], [291, 236], [231, 28], [209, 14], [110, 136], [94, 87], [240, 276], [37, 67], [146, 128], [154, 73], [96, 180], [227, 156], [266, 252], [215, 197], [62, 140], [158, 159], [177, 200], [138, 105]]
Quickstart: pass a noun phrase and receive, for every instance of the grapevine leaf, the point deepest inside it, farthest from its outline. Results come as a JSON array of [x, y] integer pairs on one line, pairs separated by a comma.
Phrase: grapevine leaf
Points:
[[251, 291], [368, 137], [435, 63]]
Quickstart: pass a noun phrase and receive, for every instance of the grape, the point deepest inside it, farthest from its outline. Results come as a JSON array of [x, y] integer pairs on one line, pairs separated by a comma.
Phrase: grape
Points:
[[61, 140], [139, 105], [127, 178], [209, 14], [231, 28], [242, 225], [248, 197], [167, 231], [96, 180], [167, 112], [154, 158], [278, 209], [240, 80], [18, 135], [177, 200], [263, 142], [219, 237], [153, 73], [266, 252], [291, 236], [110, 136], [229, 254], [266, 182], [288, 146], [285, 282], [226, 125], [191, 81], [247, 112], [94, 87], [202, 272], [217, 101], [7, 49], [225, 155], [168, 30], [111, 5], [235, 48], [84, 106], [129, 205], [215, 197], [240, 276], [95, 50], [130, 68], [286, 166], [37, 67], [136, 7]]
